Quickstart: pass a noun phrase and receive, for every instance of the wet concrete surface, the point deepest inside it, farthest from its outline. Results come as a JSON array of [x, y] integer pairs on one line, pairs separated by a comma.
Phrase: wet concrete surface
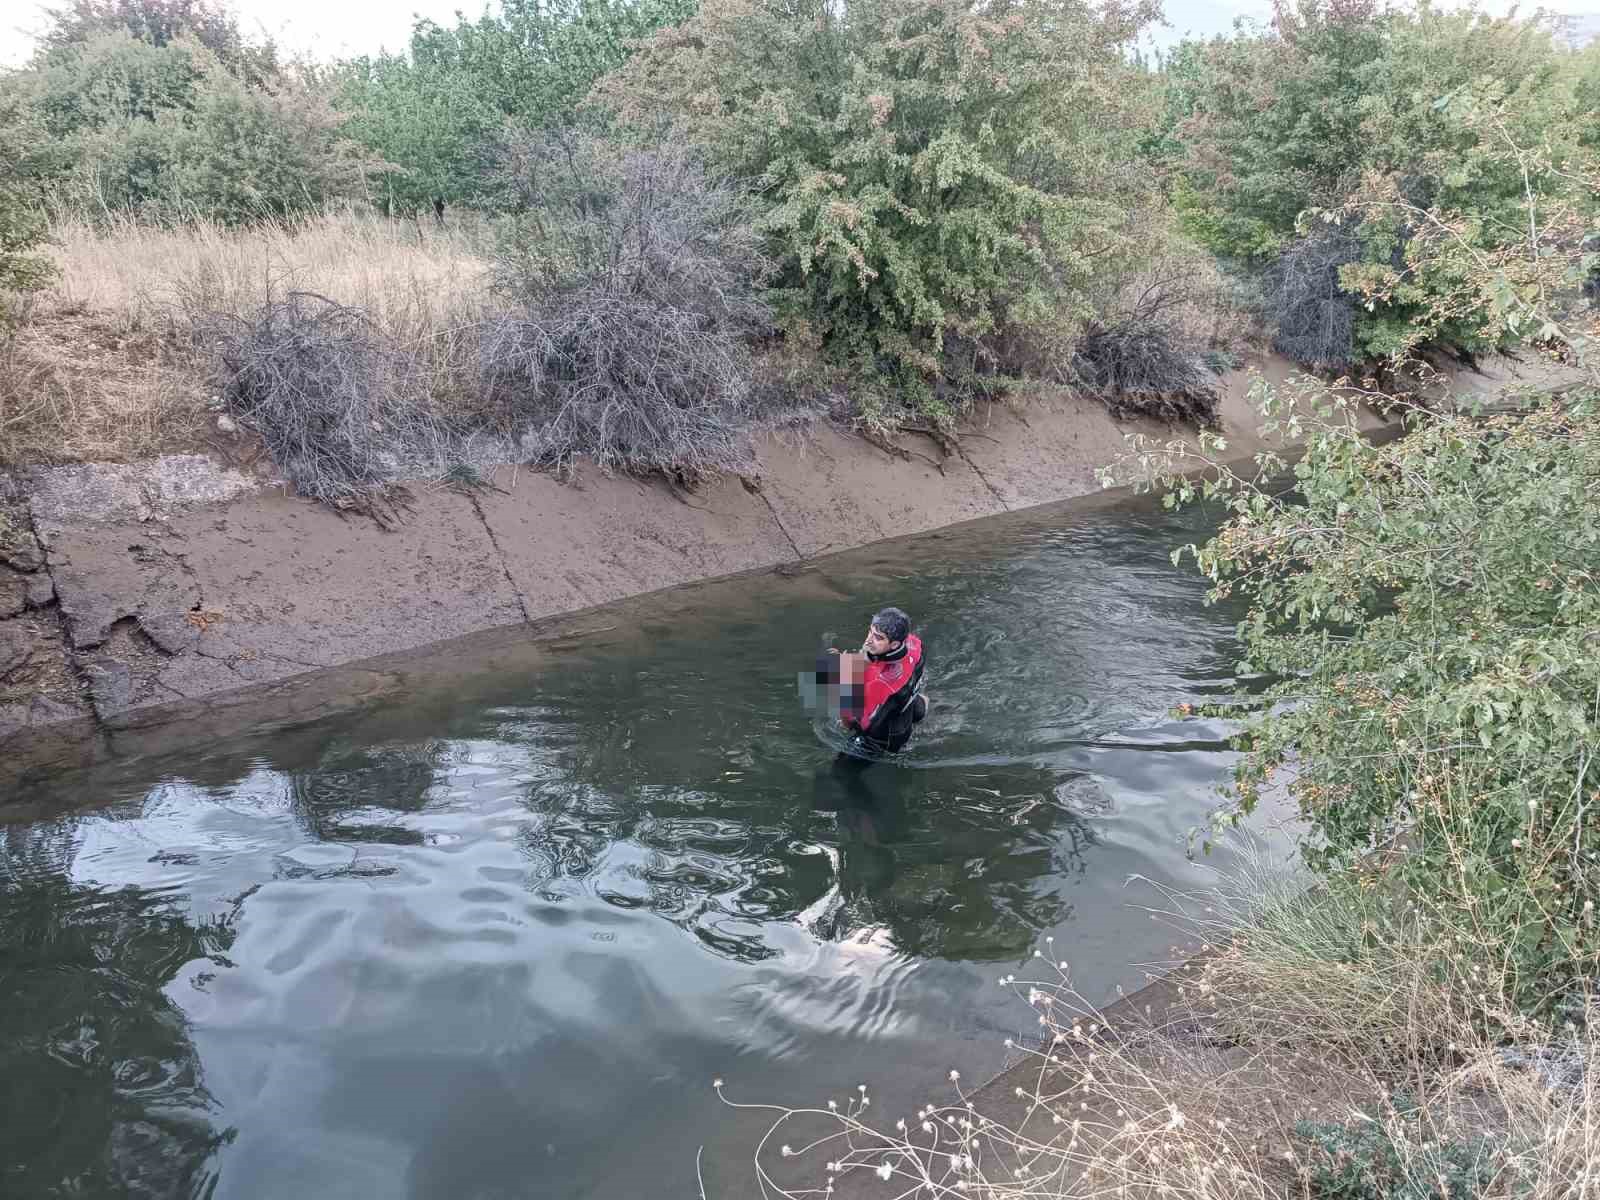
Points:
[[126, 590]]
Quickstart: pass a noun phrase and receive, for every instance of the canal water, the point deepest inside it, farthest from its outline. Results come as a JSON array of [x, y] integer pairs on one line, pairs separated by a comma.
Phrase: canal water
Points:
[[495, 937]]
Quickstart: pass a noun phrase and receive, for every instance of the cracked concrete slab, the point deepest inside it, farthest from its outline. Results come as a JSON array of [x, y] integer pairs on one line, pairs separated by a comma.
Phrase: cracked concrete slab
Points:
[[282, 586], [68, 497], [14, 592], [36, 714], [194, 676], [598, 539], [16, 648], [110, 686], [19, 550], [106, 573], [182, 590], [173, 633], [37, 682], [41, 589]]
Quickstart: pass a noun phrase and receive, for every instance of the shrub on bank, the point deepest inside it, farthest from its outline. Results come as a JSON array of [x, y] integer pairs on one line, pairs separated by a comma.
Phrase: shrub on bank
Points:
[[1428, 608], [637, 282], [1425, 613], [617, 325], [168, 132], [944, 182], [1398, 120], [23, 270]]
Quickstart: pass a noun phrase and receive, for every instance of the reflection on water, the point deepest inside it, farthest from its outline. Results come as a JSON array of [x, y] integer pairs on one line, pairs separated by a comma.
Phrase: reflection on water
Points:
[[85, 1017], [495, 940]]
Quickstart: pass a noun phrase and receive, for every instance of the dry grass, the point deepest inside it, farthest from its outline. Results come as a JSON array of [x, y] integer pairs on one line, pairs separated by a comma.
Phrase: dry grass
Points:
[[83, 388], [105, 370], [407, 279]]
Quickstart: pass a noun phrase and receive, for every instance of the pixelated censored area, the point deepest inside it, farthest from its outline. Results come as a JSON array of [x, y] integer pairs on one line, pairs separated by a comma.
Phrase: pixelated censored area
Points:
[[834, 687]]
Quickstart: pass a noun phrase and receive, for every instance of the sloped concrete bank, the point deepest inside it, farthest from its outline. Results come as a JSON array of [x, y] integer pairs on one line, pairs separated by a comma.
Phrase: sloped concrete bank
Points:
[[132, 597]]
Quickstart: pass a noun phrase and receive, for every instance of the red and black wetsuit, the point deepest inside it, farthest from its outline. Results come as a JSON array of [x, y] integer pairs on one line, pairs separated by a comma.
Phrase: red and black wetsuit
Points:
[[889, 700]]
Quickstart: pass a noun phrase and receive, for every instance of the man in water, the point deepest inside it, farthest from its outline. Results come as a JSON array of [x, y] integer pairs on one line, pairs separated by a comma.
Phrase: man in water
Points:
[[881, 689]]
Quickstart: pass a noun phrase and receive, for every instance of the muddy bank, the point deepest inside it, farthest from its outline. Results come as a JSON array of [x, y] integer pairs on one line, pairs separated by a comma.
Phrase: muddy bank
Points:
[[135, 596]]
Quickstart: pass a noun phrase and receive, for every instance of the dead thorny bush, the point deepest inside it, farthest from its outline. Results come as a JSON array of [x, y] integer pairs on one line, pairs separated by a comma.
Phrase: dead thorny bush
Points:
[[1312, 317], [1138, 361], [628, 291], [343, 411], [636, 275]]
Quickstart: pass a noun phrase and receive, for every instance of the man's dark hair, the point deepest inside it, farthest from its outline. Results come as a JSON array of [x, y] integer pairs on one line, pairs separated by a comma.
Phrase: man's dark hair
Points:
[[894, 624]]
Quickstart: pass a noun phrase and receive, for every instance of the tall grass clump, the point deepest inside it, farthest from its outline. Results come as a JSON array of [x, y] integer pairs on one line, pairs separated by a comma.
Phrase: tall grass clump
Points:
[[408, 280]]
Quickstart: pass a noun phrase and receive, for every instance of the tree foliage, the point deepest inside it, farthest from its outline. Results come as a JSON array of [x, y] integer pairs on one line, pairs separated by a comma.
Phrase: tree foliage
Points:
[[941, 176], [437, 112], [22, 225], [168, 131], [1430, 608], [159, 23], [1343, 99]]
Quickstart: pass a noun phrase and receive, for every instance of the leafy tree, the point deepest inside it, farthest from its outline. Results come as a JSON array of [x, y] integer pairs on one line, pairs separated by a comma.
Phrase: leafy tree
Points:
[[169, 132], [109, 81], [247, 153], [430, 123], [437, 112], [944, 177], [159, 23], [1343, 98], [1424, 615], [22, 224]]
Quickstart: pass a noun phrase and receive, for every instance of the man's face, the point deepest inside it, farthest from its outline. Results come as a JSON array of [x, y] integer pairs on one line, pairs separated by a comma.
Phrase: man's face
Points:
[[877, 641]]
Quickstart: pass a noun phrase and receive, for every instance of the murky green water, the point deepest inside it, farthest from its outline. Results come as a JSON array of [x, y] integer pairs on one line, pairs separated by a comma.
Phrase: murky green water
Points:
[[495, 939]]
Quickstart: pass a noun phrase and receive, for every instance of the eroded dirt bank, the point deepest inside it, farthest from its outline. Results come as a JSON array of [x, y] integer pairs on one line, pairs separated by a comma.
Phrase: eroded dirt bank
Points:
[[135, 596]]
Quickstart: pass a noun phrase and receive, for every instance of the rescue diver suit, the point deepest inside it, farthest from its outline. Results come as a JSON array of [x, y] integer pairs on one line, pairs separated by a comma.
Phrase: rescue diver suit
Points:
[[883, 709]]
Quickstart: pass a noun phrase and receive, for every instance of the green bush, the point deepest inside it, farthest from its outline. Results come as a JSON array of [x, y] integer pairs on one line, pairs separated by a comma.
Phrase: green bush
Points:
[[159, 23], [164, 128], [1428, 612], [246, 154], [944, 179], [1404, 113], [436, 113], [22, 223], [430, 124], [1387, 1155]]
